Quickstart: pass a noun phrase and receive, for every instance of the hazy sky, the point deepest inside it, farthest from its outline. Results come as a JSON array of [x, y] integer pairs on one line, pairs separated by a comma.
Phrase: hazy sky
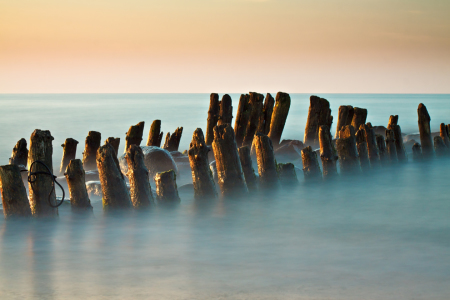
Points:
[[344, 46]]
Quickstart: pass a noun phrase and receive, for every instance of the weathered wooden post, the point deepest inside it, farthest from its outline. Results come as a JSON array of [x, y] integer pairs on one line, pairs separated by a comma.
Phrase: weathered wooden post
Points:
[[417, 152], [267, 167], [225, 110], [372, 147], [213, 117], [287, 174], [361, 145], [345, 116], [155, 135], [134, 135], [256, 103], [393, 125], [166, 187], [247, 167], [140, 191], [391, 149], [242, 117], [439, 147], [393, 120], [14, 195], [114, 188], [41, 187], [311, 168], [425, 133], [202, 178], [448, 130], [381, 144], [172, 142], [266, 116], [319, 114], [327, 153], [359, 117], [115, 142], [229, 169], [20, 153], [75, 177], [69, 152], [92, 144], [279, 116], [346, 149], [444, 135]]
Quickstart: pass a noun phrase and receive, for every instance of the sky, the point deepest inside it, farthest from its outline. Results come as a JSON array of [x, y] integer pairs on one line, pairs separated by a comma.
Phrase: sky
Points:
[[224, 46]]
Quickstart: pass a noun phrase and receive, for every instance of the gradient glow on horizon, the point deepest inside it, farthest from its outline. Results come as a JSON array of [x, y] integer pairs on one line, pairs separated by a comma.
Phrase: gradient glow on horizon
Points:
[[134, 46]]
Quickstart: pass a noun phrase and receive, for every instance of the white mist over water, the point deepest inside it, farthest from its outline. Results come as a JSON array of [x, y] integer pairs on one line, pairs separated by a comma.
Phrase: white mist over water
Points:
[[385, 235]]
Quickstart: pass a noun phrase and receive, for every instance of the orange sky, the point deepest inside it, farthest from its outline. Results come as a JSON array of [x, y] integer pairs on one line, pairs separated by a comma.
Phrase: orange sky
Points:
[[345, 46]]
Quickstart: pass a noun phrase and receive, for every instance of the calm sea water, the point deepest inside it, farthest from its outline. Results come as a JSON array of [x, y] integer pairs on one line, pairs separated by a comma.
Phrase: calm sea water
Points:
[[380, 236]]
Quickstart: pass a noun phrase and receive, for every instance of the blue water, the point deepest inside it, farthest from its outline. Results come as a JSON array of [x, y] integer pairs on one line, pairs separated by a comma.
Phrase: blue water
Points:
[[385, 235]]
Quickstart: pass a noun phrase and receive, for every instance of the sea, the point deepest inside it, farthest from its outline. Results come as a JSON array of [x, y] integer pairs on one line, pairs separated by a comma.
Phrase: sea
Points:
[[380, 235]]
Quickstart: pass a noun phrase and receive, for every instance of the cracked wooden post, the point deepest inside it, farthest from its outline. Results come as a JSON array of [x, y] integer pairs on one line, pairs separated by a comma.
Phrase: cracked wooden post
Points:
[[225, 110], [41, 149], [69, 152], [391, 149], [115, 142], [311, 168], [359, 117], [140, 190], [14, 195], [345, 116], [134, 135], [287, 174], [228, 164], [213, 117], [444, 135], [172, 142], [155, 135], [92, 144], [279, 116], [319, 114], [439, 146], [425, 133], [346, 149], [361, 145], [393, 125], [265, 156], [202, 178], [372, 147], [256, 103], [327, 153], [19, 154], [166, 187], [75, 177], [382, 152], [266, 116], [417, 152], [114, 188], [247, 167], [242, 117]]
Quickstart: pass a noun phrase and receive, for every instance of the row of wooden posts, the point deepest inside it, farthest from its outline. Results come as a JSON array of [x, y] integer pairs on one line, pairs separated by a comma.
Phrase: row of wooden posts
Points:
[[258, 128]]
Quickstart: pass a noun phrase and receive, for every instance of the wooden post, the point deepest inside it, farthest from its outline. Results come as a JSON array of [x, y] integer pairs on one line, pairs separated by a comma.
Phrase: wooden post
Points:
[[225, 110], [372, 147], [279, 116], [75, 177], [393, 125], [425, 133], [155, 135], [361, 145], [256, 103], [391, 150], [439, 147], [417, 152], [115, 142], [166, 187], [345, 116], [114, 188], [172, 142], [448, 130], [393, 120], [359, 117], [92, 144], [14, 195], [247, 167], [266, 116], [229, 169], [267, 167], [311, 168], [140, 190], [444, 135], [134, 135], [346, 149], [41, 149], [319, 114], [287, 174], [213, 117], [69, 152], [327, 153], [381, 144], [20, 153], [202, 177], [242, 117]]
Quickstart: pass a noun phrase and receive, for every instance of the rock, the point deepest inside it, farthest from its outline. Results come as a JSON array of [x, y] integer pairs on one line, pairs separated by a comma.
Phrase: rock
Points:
[[94, 188], [212, 166], [416, 136], [289, 151]]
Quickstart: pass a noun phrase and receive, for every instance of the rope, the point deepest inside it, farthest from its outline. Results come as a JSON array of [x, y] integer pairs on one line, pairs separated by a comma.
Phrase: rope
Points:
[[49, 173]]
